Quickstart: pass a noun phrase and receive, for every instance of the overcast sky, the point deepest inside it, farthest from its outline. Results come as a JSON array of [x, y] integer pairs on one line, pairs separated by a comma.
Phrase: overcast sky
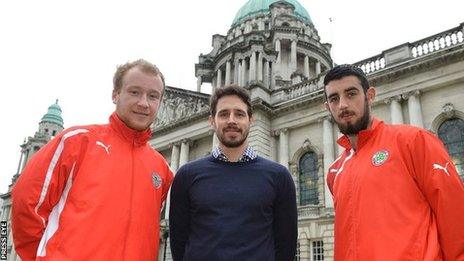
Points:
[[68, 50]]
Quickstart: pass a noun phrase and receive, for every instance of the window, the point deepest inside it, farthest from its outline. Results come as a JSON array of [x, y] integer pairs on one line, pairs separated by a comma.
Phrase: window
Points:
[[451, 133], [54, 133], [308, 179], [318, 250]]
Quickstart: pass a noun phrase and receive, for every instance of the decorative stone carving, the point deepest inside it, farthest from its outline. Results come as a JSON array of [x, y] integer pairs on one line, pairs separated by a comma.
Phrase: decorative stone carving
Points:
[[176, 107], [397, 98], [448, 110], [309, 212], [306, 145], [414, 93]]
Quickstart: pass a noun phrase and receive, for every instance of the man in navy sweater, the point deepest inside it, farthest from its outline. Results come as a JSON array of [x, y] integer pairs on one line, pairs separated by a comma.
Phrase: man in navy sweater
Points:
[[233, 204]]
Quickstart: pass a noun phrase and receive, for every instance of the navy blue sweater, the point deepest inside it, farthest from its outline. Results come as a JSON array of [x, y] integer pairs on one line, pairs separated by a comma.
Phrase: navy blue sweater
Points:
[[233, 211]]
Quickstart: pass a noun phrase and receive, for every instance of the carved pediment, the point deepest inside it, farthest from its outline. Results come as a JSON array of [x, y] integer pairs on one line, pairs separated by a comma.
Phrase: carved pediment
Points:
[[179, 104]]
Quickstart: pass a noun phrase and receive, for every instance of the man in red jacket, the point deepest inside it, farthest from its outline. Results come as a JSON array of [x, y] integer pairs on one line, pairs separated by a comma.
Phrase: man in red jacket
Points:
[[95, 192], [396, 192]]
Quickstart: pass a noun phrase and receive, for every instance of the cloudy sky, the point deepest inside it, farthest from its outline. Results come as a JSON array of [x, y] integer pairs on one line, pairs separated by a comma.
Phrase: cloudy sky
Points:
[[68, 50]]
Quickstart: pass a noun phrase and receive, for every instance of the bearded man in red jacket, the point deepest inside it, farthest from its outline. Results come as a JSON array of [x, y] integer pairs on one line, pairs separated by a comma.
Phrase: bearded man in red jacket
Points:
[[397, 194]]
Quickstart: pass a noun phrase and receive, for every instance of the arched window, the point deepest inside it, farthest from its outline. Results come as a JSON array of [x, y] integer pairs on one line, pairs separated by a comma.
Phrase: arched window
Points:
[[308, 178], [451, 132]]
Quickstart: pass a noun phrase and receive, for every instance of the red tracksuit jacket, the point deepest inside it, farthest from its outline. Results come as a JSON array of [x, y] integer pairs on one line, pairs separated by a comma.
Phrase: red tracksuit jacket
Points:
[[397, 197], [92, 193]]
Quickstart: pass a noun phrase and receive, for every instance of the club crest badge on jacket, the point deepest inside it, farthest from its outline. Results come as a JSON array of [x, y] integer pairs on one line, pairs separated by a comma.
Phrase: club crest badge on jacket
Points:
[[380, 157], [157, 181]]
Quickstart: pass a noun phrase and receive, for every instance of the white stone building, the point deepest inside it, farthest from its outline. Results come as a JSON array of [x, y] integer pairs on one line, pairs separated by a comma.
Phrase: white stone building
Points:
[[274, 50]]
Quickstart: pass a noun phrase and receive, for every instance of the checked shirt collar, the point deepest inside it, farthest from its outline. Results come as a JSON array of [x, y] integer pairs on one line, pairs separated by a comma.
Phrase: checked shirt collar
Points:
[[248, 155]]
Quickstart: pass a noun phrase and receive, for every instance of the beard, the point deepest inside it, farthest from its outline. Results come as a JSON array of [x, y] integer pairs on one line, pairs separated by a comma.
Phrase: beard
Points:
[[232, 143], [359, 125]]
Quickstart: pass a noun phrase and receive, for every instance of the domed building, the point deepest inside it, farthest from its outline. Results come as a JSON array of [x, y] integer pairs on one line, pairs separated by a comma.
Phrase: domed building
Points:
[[49, 126], [272, 44], [273, 49]]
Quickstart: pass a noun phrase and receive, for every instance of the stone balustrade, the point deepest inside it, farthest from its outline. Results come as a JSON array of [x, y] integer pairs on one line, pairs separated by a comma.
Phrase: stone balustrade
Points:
[[305, 87], [438, 42], [372, 64], [409, 51]]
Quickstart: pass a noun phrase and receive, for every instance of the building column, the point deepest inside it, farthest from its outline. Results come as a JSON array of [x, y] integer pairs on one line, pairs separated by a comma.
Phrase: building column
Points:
[[184, 152], [415, 109], [175, 157], [293, 64], [260, 67], [252, 72], [227, 80], [174, 166], [243, 83], [20, 162], [236, 71], [239, 73], [329, 155], [199, 82], [26, 158], [318, 68], [283, 147], [279, 55], [395, 109], [272, 80], [4, 211], [266, 74], [218, 78], [306, 66]]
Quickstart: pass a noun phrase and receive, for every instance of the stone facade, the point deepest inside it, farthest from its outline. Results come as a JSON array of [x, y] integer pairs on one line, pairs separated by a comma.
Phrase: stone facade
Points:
[[279, 58]]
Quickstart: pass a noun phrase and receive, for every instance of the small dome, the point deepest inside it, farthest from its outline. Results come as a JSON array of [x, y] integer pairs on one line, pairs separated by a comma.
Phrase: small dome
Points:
[[256, 7], [53, 115]]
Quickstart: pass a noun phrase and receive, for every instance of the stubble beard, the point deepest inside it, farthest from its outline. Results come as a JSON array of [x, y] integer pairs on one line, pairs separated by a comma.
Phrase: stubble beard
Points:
[[359, 125], [232, 143]]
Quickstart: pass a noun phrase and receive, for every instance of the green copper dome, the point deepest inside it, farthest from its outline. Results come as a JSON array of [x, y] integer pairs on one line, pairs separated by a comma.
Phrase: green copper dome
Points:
[[53, 115], [255, 7]]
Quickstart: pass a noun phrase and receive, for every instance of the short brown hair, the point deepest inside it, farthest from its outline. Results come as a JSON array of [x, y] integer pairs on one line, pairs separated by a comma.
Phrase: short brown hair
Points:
[[142, 64], [227, 90]]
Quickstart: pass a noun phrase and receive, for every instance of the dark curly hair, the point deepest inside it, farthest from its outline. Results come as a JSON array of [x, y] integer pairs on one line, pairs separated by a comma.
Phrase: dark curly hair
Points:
[[344, 70], [227, 90]]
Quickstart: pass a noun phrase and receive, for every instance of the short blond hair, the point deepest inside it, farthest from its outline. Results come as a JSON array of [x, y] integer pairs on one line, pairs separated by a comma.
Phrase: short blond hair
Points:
[[142, 64]]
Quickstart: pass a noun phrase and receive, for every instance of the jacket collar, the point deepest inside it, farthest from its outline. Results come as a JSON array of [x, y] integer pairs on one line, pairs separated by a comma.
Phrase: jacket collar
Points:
[[363, 136], [138, 138]]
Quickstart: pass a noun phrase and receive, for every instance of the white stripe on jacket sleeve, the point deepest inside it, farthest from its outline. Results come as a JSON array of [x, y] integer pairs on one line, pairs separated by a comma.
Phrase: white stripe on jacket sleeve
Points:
[[51, 168], [54, 218]]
